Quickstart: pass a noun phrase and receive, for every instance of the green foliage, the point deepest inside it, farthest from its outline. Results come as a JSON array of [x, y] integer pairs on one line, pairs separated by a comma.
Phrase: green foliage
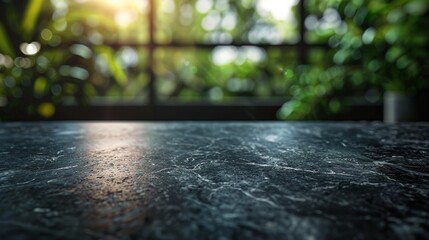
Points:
[[314, 92], [375, 44], [5, 46], [390, 40], [114, 66], [48, 59], [191, 75], [221, 21], [31, 16]]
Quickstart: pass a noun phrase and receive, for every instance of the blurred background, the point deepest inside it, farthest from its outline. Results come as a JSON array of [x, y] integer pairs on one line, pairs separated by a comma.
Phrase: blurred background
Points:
[[214, 60]]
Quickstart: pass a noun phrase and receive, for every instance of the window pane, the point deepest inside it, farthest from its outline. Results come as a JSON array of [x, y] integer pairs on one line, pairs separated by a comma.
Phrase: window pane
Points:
[[225, 21], [223, 74], [100, 21], [322, 21], [119, 76], [78, 74], [320, 57]]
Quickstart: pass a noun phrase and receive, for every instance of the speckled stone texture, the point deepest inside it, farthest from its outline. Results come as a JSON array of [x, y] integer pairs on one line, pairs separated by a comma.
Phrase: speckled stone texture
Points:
[[207, 180]]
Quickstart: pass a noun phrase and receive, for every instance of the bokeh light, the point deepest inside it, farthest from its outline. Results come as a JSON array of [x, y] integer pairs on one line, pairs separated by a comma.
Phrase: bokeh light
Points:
[[30, 48]]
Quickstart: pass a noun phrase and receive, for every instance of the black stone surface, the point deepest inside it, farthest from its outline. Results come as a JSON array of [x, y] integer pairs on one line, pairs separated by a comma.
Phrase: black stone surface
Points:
[[214, 181]]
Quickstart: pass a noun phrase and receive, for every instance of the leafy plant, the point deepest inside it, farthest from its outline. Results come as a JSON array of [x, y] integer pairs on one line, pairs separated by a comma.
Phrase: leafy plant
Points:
[[44, 64], [390, 38], [375, 44], [313, 86]]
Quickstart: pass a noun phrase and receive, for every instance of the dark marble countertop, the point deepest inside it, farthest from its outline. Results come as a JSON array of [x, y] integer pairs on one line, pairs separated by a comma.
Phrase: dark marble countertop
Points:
[[207, 180]]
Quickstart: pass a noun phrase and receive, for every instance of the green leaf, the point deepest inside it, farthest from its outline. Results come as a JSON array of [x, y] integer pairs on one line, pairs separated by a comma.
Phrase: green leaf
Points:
[[31, 14], [113, 64], [5, 44], [88, 15]]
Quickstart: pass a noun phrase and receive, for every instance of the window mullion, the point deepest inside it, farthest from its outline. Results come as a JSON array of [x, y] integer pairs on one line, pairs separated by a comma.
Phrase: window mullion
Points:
[[302, 45]]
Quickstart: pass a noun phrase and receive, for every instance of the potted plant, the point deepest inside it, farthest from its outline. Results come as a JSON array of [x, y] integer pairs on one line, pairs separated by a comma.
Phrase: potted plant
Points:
[[378, 44], [391, 37]]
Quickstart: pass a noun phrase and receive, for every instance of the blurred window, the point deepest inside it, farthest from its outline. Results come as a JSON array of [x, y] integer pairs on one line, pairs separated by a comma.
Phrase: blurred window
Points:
[[149, 52]]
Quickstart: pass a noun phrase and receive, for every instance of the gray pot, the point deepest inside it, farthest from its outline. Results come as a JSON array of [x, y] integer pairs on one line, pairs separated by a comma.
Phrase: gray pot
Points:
[[398, 107]]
